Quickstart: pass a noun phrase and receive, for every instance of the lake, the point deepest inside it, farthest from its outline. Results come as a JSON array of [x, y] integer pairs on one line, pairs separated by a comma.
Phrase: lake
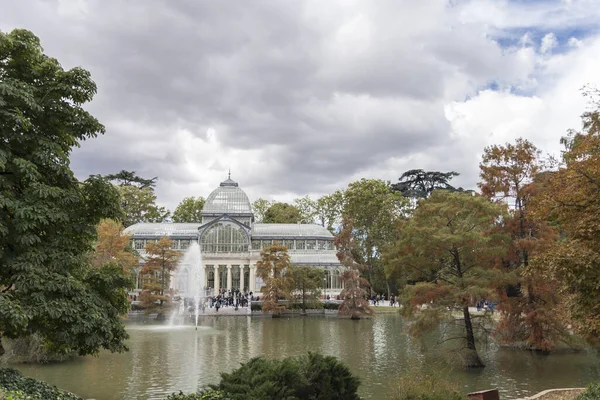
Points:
[[164, 359]]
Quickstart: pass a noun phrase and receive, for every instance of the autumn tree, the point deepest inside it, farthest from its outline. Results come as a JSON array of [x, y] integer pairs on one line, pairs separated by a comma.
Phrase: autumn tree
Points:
[[139, 205], [355, 303], [570, 198], [307, 283], [160, 261], [272, 269], [529, 308], [113, 246], [189, 210], [450, 246], [419, 184], [282, 213], [259, 208], [373, 209], [48, 218]]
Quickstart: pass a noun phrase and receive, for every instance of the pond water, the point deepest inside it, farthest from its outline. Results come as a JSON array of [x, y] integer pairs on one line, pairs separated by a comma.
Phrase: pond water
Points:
[[165, 359]]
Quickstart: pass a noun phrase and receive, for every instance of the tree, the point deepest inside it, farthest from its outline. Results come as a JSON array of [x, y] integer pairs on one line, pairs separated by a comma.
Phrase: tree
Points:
[[129, 178], [311, 376], [260, 207], [113, 247], [139, 205], [528, 308], [307, 208], [329, 209], [189, 210], [570, 198], [419, 184], [374, 210], [282, 213], [354, 296], [159, 264], [450, 246], [47, 217], [307, 284], [272, 267]]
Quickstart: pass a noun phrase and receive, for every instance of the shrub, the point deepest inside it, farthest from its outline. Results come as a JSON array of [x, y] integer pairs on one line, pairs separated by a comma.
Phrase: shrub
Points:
[[15, 383], [312, 376], [202, 395], [416, 385], [33, 349], [592, 392]]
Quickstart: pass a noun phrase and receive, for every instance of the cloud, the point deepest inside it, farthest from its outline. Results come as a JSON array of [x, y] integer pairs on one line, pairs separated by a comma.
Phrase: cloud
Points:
[[303, 97], [549, 42]]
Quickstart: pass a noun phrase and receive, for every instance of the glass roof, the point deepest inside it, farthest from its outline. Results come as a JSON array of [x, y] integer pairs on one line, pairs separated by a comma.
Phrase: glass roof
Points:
[[321, 257], [164, 229], [293, 230], [228, 198]]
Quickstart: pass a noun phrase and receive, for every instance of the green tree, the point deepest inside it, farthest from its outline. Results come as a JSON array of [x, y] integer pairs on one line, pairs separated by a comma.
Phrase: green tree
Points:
[[129, 178], [47, 218], [272, 267], [160, 262], [260, 207], [282, 213], [307, 284], [312, 376], [139, 205], [307, 208], [189, 210], [419, 184], [374, 210], [328, 211], [451, 247]]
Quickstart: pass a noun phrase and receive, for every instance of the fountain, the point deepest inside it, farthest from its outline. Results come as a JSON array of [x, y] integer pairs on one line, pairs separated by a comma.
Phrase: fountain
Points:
[[189, 281]]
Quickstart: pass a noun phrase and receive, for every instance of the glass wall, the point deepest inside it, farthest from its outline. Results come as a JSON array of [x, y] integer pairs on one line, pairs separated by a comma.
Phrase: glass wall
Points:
[[225, 238]]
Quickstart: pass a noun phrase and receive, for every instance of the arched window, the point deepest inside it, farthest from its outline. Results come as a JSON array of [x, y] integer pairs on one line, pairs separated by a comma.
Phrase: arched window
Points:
[[225, 237]]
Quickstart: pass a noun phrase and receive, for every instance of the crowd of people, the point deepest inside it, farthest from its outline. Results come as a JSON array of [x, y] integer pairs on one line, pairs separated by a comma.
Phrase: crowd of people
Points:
[[224, 298]]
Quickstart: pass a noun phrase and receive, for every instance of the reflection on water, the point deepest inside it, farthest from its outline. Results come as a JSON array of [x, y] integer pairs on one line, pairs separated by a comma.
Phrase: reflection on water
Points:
[[165, 359]]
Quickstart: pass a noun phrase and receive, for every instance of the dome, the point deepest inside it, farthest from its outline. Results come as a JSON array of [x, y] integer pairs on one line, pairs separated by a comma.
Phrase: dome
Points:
[[228, 198]]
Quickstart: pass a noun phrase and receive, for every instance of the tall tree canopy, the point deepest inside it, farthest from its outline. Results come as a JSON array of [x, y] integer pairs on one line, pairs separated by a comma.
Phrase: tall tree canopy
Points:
[[570, 198], [260, 207], [129, 178], [139, 205], [47, 218], [307, 284], [529, 316], [450, 246], [329, 209], [189, 210], [419, 184], [373, 209], [282, 213]]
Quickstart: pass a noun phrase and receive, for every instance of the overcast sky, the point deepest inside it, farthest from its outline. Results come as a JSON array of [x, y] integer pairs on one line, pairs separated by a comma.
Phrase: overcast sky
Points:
[[303, 97]]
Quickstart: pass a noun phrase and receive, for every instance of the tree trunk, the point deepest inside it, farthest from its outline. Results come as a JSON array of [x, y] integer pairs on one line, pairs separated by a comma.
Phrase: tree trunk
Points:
[[472, 359], [2, 351]]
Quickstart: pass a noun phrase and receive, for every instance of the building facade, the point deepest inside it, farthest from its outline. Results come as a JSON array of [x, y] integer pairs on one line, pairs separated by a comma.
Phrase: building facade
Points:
[[231, 242]]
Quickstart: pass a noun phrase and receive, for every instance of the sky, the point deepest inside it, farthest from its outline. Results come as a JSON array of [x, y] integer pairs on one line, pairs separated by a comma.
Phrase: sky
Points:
[[302, 97]]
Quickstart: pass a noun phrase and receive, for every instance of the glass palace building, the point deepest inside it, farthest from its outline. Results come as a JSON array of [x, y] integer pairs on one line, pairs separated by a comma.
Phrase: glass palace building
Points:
[[231, 242]]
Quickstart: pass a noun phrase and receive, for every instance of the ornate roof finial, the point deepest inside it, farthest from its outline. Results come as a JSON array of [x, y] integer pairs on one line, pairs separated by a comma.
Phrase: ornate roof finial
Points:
[[229, 174]]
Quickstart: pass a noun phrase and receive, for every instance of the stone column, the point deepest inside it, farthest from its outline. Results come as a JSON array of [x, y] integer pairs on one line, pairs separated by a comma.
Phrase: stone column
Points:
[[241, 277], [228, 276], [252, 283], [217, 283]]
